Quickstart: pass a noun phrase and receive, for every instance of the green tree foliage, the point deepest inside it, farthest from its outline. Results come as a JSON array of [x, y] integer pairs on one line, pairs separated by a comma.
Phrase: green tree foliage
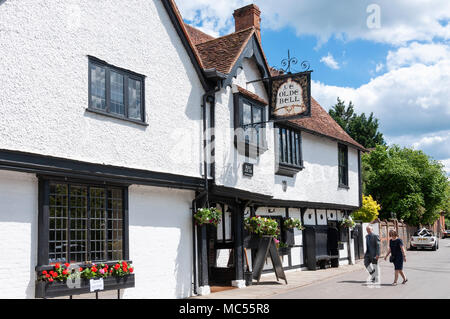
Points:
[[362, 129], [368, 212], [405, 182]]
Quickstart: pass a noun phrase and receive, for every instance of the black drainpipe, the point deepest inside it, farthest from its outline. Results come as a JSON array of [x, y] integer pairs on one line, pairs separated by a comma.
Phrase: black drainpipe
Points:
[[209, 97]]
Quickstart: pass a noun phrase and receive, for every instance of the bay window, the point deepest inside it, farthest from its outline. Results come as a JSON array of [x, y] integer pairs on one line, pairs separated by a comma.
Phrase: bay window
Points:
[[288, 151]]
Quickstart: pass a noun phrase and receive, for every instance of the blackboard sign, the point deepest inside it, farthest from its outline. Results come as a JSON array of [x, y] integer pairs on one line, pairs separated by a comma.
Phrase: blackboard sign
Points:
[[267, 246]]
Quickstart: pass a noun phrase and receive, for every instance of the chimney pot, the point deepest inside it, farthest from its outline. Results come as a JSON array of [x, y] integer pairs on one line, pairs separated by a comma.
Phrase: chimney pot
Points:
[[246, 17]]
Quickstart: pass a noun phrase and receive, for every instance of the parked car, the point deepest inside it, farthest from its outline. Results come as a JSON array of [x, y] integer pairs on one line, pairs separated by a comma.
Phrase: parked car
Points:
[[424, 238], [446, 233]]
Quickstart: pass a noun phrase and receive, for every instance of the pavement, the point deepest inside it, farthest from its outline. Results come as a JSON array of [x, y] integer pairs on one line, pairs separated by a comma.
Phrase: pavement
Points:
[[428, 274], [269, 287]]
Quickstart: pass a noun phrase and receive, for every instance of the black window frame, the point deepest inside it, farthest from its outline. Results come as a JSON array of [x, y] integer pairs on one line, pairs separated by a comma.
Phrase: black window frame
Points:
[[127, 75], [44, 183], [249, 147], [343, 166], [289, 161]]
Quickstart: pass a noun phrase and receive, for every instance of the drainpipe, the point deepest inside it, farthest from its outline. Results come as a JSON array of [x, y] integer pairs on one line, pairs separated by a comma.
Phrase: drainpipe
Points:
[[208, 97]]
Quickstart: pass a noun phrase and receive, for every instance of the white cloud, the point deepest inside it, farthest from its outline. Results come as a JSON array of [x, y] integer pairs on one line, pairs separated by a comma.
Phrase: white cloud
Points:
[[401, 20], [411, 100], [427, 53], [446, 164], [408, 100], [379, 67], [330, 61]]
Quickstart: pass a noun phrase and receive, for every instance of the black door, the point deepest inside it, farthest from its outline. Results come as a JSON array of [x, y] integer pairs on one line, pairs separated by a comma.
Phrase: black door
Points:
[[358, 241]]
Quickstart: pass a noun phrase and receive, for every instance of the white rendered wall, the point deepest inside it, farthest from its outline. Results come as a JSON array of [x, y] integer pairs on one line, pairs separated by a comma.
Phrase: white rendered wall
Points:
[[18, 234], [44, 88], [228, 160], [160, 242], [318, 182]]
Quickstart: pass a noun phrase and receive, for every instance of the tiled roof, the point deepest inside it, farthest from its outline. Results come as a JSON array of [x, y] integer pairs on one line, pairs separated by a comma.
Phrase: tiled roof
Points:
[[251, 95], [321, 122], [222, 53], [186, 32], [197, 36]]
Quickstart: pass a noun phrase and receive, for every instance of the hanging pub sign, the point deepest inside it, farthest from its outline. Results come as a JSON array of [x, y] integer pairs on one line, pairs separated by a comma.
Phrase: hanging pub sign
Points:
[[290, 96]]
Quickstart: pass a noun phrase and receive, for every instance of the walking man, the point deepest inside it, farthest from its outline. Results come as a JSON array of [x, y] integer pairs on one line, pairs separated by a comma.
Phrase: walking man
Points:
[[372, 254]]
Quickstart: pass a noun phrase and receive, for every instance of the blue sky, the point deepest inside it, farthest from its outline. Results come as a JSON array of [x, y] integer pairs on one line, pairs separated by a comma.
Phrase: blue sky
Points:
[[391, 58]]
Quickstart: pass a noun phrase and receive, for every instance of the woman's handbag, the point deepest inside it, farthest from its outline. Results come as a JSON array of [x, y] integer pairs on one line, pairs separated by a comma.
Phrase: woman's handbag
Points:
[[391, 259]]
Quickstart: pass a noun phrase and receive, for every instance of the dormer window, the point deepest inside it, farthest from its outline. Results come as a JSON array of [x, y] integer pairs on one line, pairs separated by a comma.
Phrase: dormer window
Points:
[[289, 151], [250, 118]]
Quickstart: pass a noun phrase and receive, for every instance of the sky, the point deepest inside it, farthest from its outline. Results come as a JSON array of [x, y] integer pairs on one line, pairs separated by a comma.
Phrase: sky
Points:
[[391, 58]]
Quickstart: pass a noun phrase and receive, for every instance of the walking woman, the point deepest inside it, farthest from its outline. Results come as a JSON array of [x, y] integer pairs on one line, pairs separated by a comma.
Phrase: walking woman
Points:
[[397, 249]]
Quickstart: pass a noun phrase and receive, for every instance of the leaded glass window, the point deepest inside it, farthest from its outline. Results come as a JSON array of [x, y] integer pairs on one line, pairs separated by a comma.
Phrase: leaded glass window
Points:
[[250, 122], [98, 87], [85, 223], [116, 92]]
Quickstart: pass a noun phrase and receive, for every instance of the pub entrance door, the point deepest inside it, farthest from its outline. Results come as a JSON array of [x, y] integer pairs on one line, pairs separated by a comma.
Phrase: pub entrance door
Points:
[[225, 247]]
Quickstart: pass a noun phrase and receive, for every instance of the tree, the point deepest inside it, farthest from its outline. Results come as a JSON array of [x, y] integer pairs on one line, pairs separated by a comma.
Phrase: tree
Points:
[[406, 183], [342, 114], [368, 212], [362, 129]]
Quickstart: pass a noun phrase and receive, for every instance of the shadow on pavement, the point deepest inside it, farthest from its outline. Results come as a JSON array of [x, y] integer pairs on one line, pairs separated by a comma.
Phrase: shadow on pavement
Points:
[[267, 283]]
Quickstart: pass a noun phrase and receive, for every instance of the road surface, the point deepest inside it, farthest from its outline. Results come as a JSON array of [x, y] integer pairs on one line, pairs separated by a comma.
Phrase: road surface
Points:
[[428, 274]]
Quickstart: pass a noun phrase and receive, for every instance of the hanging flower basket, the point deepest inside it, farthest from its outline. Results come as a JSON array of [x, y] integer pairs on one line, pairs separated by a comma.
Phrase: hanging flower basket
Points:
[[291, 223], [262, 226], [347, 222], [208, 216]]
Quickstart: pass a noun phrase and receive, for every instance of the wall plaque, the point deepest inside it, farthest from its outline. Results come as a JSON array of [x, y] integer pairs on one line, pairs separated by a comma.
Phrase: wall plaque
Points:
[[247, 169]]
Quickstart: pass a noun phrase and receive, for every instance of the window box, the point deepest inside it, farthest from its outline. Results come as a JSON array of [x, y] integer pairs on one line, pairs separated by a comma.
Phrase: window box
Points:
[[60, 289]]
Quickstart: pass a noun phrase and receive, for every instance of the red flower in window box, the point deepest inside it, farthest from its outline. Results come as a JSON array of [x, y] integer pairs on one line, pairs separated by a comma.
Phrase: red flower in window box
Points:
[[67, 265], [122, 269], [58, 273]]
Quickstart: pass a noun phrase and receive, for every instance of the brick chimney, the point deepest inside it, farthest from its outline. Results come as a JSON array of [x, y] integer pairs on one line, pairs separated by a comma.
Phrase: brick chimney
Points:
[[246, 17]]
